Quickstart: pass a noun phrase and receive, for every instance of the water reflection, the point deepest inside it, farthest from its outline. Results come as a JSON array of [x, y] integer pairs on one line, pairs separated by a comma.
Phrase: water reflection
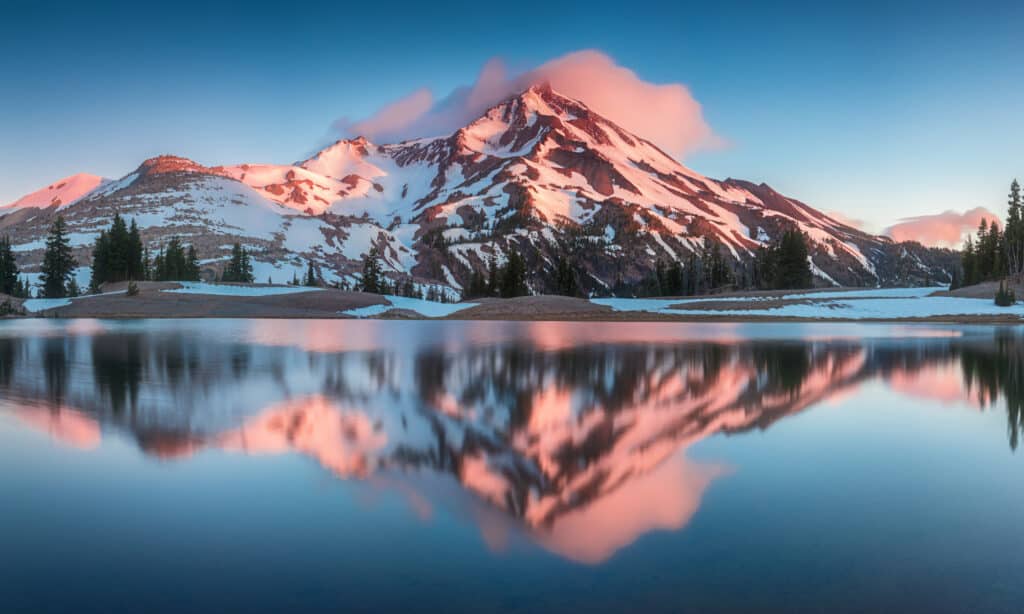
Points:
[[579, 441]]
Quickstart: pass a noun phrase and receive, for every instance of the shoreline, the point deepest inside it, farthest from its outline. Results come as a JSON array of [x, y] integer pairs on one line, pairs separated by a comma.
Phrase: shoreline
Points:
[[195, 300]]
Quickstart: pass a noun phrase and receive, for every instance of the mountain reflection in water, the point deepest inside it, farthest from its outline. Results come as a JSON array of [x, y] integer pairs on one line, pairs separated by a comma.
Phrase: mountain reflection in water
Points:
[[575, 434]]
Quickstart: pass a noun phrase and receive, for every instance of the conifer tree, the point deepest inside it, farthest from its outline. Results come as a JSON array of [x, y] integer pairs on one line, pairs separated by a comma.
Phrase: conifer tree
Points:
[[373, 277], [136, 254], [58, 262], [513, 276], [793, 269], [1013, 235], [239, 268], [564, 281], [9, 280], [311, 275], [493, 275]]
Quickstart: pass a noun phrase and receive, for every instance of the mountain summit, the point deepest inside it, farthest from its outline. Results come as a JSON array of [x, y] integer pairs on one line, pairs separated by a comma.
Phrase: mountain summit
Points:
[[538, 173]]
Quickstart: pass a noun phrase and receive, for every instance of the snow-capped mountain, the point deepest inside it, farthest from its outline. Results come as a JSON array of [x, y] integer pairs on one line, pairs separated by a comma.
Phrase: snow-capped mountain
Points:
[[62, 193], [539, 172]]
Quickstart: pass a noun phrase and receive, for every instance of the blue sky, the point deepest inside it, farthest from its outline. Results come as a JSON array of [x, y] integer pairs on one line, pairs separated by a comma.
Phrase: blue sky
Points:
[[877, 110]]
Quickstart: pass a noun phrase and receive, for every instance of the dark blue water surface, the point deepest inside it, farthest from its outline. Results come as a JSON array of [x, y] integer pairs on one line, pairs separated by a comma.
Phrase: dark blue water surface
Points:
[[276, 465]]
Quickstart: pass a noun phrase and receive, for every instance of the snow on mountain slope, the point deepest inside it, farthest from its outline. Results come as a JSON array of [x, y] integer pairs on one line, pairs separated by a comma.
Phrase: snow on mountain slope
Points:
[[61, 193], [539, 173], [206, 207]]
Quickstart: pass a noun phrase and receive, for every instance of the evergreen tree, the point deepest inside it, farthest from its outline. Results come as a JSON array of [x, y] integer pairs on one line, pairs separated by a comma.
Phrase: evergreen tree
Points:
[[493, 275], [373, 276], [117, 255], [311, 275], [9, 281], [956, 279], [477, 286], [239, 268], [1005, 296], [793, 267], [513, 276], [564, 281], [100, 262], [969, 263], [136, 254], [1013, 236], [192, 265], [58, 262]]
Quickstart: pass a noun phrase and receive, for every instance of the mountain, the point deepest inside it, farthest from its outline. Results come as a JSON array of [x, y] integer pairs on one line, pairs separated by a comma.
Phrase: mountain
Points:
[[61, 193], [539, 173]]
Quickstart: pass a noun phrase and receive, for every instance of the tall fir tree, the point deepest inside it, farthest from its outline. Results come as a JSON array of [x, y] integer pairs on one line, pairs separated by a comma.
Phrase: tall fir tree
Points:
[[58, 261], [310, 275], [239, 268], [513, 277], [1013, 235], [117, 255], [564, 277], [793, 268], [10, 283], [372, 280]]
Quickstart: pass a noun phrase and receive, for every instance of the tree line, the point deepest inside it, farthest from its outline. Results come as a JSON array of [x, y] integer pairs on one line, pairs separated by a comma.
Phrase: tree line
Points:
[[782, 264], [993, 254], [374, 281], [120, 255]]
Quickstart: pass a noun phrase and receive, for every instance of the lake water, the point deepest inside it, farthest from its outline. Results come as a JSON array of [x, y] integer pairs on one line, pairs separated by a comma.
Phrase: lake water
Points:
[[479, 466]]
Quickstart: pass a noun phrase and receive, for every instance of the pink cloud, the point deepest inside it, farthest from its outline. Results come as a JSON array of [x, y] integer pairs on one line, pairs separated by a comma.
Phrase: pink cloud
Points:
[[946, 229], [396, 116], [665, 114]]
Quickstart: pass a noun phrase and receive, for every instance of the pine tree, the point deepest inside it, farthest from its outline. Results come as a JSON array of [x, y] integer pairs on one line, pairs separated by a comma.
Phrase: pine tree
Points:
[[9, 282], [564, 281], [969, 263], [477, 286], [239, 268], [311, 275], [191, 272], [1005, 296], [373, 276], [493, 275], [58, 262], [1014, 233], [955, 279], [793, 268], [100, 262], [136, 254], [117, 255], [513, 276]]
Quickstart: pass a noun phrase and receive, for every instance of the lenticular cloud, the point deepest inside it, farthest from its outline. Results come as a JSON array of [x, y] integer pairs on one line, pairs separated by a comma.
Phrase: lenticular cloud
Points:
[[665, 114]]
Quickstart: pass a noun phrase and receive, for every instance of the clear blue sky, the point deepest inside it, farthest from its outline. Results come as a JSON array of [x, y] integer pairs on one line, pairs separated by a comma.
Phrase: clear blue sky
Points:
[[880, 110]]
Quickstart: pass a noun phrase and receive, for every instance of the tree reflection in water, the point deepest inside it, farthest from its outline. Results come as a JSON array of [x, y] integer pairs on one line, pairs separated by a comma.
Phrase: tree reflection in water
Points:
[[562, 439]]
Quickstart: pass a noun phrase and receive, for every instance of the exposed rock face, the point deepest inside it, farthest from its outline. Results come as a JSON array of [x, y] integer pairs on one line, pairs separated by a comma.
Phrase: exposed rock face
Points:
[[539, 173]]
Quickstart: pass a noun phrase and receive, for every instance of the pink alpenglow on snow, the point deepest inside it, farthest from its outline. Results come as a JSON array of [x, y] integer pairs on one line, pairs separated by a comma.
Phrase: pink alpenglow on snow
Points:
[[60, 193], [947, 229], [665, 114]]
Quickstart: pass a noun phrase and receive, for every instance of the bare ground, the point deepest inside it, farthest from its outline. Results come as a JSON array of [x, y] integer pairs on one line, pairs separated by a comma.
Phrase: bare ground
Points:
[[150, 302], [327, 303]]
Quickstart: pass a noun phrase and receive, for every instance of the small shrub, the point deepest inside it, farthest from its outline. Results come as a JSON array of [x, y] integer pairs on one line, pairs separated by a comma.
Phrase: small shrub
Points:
[[7, 308], [133, 288], [1005, 296]]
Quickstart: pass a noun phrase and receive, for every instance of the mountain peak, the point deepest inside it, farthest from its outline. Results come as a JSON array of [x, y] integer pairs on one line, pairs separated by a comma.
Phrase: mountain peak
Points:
[[60, 193], [166, 163]]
